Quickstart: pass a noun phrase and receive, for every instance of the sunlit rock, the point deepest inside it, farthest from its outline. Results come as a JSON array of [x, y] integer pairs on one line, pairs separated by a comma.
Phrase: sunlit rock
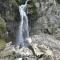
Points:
[[8, 50], [40, 49], [24, 51]]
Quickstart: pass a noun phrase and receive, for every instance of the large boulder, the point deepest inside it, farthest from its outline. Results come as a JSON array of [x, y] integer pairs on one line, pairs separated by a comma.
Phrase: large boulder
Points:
[[48, 18], [44, 41]]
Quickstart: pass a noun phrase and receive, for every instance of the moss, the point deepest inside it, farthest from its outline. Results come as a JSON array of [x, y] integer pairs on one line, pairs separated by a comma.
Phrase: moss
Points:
[[2, 43], [2, 24], [2, 32], [2, 27], [19, 2]]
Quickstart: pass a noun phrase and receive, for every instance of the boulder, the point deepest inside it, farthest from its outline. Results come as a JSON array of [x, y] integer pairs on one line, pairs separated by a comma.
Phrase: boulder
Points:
[[45, 45], [24, 51]]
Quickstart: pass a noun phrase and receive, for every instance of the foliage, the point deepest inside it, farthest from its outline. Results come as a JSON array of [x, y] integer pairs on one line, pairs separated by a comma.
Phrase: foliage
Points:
[[2, 27], [2, 32], [2, 43]]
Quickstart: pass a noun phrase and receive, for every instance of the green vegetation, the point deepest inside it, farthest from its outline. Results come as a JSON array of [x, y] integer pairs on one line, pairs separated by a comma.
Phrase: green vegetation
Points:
[[2, 32], [2, 27], [2, 43]]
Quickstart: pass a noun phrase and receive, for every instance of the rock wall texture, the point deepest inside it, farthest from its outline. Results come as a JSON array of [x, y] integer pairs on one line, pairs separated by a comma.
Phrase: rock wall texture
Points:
[[48, 20]]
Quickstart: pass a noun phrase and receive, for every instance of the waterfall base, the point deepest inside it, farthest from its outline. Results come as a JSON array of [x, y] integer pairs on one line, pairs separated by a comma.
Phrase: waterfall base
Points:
[[40, 50]]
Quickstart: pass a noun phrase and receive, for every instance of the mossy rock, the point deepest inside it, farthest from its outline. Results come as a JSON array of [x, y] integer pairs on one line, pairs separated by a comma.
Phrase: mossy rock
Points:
[[2, 27], [2, 43], [2, 23], [2, 32]]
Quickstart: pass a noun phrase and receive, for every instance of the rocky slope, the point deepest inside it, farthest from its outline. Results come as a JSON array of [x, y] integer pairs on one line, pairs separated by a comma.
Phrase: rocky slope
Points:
[[41, 47]]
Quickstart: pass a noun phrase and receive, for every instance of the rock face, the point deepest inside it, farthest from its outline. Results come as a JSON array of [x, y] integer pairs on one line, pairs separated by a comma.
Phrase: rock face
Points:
[[48, 18], [43, 43]]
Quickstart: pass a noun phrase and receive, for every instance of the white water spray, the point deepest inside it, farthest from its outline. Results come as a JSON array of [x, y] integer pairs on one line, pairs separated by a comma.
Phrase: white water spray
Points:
[[23, 31]]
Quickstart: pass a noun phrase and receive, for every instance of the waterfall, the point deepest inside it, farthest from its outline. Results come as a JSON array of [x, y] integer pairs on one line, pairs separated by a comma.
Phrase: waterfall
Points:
[[23, 31]]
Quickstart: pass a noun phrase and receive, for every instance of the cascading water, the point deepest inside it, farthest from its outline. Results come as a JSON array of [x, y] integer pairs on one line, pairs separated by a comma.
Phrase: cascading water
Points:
[[23, 31]]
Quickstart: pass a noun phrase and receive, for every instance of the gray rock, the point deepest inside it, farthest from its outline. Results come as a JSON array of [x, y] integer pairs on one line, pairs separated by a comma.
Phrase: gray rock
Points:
[[44, 46], [40, 49], [24, 51], [46, 43], [49, 18]]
